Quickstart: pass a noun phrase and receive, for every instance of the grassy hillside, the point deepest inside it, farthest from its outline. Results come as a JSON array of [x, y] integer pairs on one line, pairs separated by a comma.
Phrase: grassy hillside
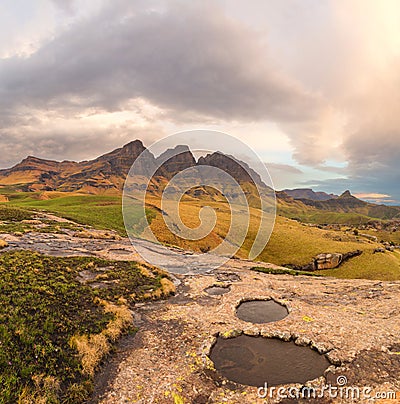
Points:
[[291, 242], [347, 203], [308, 214]]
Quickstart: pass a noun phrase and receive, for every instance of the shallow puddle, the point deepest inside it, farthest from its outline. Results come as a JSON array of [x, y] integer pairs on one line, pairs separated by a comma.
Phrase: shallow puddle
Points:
[[217, 290], [261, 311], [254, 361], [120, 251]]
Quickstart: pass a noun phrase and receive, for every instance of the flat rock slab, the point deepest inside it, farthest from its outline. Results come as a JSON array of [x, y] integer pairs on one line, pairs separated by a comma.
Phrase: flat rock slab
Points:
[[355, 322], [71, 244]]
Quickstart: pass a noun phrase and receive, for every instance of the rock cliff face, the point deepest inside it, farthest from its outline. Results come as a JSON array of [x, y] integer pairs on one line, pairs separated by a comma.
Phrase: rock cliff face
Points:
[[343, 202], [174, 161], [107, 174], [239, 170], [119, 161]]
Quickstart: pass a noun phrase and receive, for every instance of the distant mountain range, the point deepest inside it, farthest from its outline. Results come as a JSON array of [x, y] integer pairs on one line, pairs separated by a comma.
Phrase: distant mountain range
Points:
[[107, 173], [308, 193], [345, 203]]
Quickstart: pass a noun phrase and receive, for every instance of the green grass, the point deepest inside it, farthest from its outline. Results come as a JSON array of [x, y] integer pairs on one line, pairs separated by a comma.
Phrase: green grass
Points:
[[103, 212], [324, 217], [46, 226], [295, 243], [382, 235], [284, 271], [42, 306], [13, 214]]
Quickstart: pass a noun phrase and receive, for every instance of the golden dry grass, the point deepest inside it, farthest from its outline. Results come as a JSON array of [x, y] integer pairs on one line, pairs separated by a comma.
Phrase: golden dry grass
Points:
[[291, 242], [92, 348], [45, 390], [167, 286]]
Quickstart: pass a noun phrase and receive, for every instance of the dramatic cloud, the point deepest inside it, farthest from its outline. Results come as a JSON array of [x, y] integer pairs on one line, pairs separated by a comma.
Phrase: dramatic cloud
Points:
[[376, 198], [190, 58], [72, 142], [354, 62]]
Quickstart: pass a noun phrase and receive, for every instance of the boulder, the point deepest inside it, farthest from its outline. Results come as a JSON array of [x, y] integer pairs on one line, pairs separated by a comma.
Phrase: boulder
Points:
[[328, 261]]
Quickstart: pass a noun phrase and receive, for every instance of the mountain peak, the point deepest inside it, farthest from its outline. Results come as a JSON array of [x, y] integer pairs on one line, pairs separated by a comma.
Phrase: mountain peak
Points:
[[175, 160], [239, 170], [346, 194], [134, 143]]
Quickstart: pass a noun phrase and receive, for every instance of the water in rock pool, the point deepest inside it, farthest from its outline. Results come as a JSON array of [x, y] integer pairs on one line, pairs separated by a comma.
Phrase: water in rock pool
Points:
[[261, 311], [217, 290], [255, 361]]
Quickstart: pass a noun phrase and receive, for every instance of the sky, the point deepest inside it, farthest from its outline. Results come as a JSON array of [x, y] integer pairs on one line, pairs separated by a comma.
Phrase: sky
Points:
[[312, 86]]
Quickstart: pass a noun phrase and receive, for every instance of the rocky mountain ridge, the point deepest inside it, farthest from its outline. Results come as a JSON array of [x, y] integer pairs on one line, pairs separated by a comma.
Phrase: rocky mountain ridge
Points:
[[308, 193], [107, 173]]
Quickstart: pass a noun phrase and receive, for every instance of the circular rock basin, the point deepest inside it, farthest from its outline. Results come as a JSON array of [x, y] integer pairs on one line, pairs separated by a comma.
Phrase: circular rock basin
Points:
[[254, 361], [217, 290], [261, 311]]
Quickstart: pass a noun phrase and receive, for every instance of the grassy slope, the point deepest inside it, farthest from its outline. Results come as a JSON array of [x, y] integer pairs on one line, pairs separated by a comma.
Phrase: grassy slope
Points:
[[46, 315], [295, 243]]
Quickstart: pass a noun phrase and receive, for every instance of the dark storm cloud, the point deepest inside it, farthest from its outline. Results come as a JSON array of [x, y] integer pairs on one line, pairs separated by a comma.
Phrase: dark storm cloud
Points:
[[183, 58], [373, 150]]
